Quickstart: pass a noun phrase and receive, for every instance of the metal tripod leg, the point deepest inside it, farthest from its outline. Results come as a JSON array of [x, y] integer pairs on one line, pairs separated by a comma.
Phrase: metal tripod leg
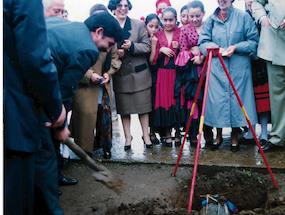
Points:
[[210, 53]]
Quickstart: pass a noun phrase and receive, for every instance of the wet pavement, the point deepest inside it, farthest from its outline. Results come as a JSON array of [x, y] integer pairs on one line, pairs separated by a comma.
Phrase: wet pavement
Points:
[[247, 157]]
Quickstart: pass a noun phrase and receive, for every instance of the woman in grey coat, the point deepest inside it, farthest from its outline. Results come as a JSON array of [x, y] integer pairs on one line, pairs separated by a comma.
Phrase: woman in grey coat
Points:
[[132, 83], [235, 33]]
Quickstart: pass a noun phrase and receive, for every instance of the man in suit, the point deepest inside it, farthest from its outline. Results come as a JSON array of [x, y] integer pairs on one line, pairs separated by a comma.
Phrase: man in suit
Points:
[[75, 48], [272, 49], [30, 84], [56, 8]]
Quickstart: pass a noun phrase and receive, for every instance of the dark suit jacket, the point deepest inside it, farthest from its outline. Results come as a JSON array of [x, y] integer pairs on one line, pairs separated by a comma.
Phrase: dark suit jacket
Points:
[[30, 77], [74, 52], [134, 74]]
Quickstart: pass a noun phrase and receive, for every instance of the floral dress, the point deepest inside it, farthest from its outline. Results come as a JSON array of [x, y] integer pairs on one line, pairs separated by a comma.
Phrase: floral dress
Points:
[[189, 73]]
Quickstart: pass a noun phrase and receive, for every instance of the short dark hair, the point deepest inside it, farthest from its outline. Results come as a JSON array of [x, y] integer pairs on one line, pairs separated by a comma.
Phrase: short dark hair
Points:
[[185, 7], [97, 7], [196, 4], [105, 20], [171, 9], [113, 4]]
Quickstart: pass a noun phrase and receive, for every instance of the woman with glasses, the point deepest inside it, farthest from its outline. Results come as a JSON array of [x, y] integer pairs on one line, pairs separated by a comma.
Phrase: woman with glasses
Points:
[[132, 83]]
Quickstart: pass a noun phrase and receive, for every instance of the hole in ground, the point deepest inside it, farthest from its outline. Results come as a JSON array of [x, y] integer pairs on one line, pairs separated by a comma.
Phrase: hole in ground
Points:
[[245, 189]]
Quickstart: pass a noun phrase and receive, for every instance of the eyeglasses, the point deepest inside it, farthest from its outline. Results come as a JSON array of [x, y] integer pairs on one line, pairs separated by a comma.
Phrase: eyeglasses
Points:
[[58, 11], [170, 19], [121, 5]]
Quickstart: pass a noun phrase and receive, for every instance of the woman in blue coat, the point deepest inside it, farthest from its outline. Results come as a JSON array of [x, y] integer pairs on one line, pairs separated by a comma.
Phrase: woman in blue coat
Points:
[[235, 33]]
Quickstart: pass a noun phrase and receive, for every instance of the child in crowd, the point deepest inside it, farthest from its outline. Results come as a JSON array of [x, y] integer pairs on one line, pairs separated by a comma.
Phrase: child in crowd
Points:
[[152, 25], [196, 14], [166, 51], [160, 6], [184, 15], [190, 62]]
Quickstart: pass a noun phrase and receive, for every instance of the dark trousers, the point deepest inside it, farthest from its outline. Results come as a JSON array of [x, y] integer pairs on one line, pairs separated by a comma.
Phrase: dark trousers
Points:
[[47, 172], [103, 138], [19, 182]]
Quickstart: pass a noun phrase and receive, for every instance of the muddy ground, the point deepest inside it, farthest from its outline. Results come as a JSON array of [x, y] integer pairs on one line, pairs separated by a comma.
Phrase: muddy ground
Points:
[[150, 189]]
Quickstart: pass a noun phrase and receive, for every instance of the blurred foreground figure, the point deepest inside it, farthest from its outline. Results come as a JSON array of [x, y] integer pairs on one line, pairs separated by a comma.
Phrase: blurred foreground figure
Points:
[[272, 49], [30, 87]]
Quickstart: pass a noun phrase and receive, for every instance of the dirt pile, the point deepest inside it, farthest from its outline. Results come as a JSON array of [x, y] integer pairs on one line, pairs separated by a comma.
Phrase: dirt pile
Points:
[[247, 190], [151, 190]]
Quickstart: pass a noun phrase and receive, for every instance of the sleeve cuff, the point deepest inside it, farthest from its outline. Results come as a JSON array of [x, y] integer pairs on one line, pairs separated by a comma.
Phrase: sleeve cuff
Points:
[[132, 49], [260, 19], [183, 58]]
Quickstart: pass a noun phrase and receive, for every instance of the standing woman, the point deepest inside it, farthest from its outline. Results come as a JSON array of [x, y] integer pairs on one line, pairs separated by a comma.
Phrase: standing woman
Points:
[[132, 83], [235, 33]]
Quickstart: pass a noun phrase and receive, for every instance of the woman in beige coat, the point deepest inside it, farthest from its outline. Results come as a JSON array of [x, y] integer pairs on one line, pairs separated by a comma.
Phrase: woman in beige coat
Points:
[[86, 103], [132, 83]]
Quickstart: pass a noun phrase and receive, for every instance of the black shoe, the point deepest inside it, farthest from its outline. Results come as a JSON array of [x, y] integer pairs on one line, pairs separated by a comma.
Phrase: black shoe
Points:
[[155, 140], [107, 154], [149, 146], [127, 147], [65, 181], [234, 147], [217, 145], [270, 147], [263, 142], [59, 192], [168, 144], [245, 141]]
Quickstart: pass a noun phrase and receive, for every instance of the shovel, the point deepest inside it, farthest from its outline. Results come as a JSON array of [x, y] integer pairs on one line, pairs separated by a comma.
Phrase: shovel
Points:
[[101, 174]]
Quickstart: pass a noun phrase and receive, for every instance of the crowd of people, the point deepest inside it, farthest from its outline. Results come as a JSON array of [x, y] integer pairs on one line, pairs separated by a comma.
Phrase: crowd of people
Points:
[[53, 65]]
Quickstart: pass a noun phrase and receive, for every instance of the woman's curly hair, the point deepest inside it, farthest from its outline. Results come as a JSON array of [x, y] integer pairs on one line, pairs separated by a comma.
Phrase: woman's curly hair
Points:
[[113, 4]]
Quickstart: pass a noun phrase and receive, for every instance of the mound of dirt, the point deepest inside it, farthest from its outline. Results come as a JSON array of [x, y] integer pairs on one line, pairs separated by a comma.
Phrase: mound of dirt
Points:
[[150, 189]]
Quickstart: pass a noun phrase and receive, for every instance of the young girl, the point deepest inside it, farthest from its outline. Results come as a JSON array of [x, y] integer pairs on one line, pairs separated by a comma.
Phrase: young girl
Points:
[[152, 25], [190, 60], [166, 50], [184, 15], [196, 14]]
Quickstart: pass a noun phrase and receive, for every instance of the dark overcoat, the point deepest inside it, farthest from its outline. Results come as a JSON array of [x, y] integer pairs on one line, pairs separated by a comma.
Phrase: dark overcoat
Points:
[[30, 77], [74, 52]]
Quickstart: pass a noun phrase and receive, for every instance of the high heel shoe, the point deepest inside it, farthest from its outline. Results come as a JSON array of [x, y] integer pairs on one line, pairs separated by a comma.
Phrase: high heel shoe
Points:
[[168, 141], [149, 146], [153, 140], [128, 147], [217, 144]]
